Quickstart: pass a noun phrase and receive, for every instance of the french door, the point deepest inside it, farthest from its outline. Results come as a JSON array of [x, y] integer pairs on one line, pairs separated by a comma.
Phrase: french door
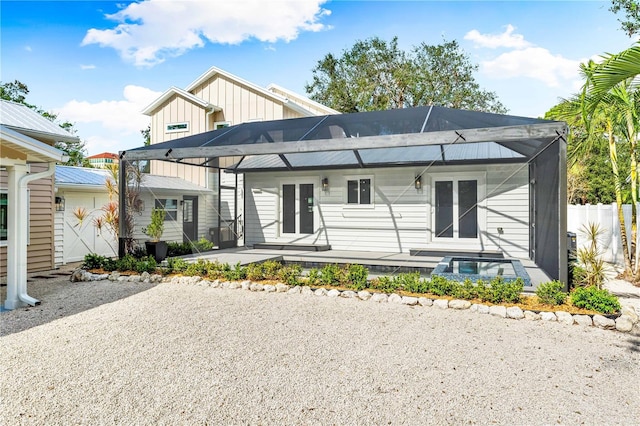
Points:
[[455, 213], [297, 203]]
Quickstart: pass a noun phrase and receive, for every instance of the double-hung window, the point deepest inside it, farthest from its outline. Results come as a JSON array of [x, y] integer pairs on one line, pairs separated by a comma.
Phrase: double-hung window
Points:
[[359, 191], [170, 207]]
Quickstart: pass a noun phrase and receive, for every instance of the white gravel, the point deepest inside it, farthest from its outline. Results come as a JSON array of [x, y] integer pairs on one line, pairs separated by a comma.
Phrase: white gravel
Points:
[[183, 354]]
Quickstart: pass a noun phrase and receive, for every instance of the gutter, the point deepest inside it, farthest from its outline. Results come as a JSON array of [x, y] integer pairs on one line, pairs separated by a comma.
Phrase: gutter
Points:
[[22, 245]]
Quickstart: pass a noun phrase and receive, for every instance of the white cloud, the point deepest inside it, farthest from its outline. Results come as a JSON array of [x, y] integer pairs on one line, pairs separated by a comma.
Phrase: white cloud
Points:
[[87, 67], [493, 41], [150, 31], [28, 48], [118, 118], [534, 62]]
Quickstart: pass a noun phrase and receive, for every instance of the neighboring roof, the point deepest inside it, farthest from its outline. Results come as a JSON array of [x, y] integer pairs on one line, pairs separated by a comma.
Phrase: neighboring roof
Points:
[[35, 150], [79, 177], [289, 94], [179, 92], [104, 155], [24, 120], [422, 135], [268, 94]]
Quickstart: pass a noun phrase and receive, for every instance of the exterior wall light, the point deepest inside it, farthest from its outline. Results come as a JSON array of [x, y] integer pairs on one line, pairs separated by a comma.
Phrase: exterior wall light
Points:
[[59, 204], [325, 184], [418, 182]]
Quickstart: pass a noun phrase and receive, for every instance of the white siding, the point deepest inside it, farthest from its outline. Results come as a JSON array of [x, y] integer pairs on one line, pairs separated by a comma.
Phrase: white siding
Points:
[[400, 217]]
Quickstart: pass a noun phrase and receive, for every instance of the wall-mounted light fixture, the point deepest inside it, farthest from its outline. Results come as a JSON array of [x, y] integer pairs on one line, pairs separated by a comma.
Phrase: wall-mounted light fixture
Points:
[[418, 182], [59, 204], [325, 184]]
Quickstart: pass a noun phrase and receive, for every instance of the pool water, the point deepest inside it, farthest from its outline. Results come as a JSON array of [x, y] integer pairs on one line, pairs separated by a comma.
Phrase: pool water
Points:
[[481, 267], [462, 268]]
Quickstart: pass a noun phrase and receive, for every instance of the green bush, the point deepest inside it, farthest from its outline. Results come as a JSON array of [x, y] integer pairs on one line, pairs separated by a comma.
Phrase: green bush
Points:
[[466, 290], [201, 245], [127, 263], [357, 277], [198, 268], [147, 264], [313, 278], [178, 249], [595, 299], [176, 265], [411, 282], [254, 272], [93, 261], [110, 265], [500, 291], [440, 286], [216, 270], [551, 293], [331, 274], [271, 269], [236, 274], [290, 274], [385, 284]]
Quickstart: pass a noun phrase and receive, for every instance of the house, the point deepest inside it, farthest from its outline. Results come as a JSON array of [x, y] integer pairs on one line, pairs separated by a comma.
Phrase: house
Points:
[[103, 160], [415, 180], [85, 188], [27, 198]]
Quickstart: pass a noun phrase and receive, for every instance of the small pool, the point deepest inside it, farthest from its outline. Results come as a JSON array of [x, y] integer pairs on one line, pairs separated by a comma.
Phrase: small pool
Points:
[[461, 268]]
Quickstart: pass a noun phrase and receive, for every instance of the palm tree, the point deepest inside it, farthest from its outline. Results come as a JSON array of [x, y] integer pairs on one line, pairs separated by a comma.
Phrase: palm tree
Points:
[[616, 69]]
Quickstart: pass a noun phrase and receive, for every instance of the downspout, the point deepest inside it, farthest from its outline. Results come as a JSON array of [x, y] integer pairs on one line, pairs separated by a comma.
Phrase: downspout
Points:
[[22, 246], [212, 109]]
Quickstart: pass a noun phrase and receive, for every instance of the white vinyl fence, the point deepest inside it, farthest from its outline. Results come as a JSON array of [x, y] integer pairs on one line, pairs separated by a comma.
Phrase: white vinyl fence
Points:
[[606, 216]]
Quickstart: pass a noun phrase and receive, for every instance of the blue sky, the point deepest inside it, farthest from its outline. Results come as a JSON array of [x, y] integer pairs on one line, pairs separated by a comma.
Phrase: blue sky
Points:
[[98, 64]]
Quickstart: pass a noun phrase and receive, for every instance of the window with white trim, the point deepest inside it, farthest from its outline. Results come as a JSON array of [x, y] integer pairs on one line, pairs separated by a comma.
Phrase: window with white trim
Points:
[[359, 190], [3, 216], [170, 207], [221, 125], [177, 127]]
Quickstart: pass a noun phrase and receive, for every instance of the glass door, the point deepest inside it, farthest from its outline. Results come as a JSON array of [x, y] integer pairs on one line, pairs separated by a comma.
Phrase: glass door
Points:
[[455, 208]]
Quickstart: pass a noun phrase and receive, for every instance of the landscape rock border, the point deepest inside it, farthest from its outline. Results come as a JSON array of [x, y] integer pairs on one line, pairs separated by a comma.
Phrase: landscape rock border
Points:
[[623, 323]]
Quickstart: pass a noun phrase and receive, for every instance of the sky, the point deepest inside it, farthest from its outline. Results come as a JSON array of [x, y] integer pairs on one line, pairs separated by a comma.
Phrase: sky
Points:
[[98, 64]]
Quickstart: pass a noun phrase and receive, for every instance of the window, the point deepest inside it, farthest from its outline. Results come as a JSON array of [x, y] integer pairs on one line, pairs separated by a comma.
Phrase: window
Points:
[[221, 125], [359, 191], [177, 127], [170, 207], [3, 217]]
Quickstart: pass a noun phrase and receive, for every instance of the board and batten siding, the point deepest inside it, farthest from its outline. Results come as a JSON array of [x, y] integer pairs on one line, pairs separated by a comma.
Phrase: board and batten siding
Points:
[[40, 251], [399, 219]]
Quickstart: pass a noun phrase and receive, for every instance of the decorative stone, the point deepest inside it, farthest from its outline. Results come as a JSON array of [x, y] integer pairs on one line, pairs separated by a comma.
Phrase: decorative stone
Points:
[[425, 301], [256, 287], [379, 297], [269, 288], [145, 277], [474, 307], [225, 284], [603, 322], [564, 317], [245, 285], [394, 298], [77, 275], [306, 291], [583, 320], [548, 316], [483, 309], [99, 277], [295, 290], [498, 311], [333, 293], [215, 283], [459, 304], [205, 283], [124, 278], [282, 288], [630, 312], [514, 312], [320, 292], [441, 303], [234, 285], [114, 276], [348, 294], [408, 300], [624, 323], [364, 295], [533, 316]]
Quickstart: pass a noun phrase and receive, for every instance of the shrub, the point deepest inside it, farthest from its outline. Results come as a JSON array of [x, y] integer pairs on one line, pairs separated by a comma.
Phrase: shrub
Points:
[[440, 286], [271, 269], [177, 249], [313, 278], [216, 270], [466, 290], [411, 282], [385, 284], [110, 265], [357, 277], [551, 293], [93, 261], [290, 274], [127, 263], [255, 272], [198, 268], [176, 264], [331, 274], [201, 245], [595, 299], [139, 252], [147, 264], [237, 273], [500, 290]]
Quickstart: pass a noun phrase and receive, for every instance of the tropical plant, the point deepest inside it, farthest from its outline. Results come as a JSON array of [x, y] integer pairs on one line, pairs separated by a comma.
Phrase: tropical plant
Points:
[[595, 299], [155, 229], [590, 256]]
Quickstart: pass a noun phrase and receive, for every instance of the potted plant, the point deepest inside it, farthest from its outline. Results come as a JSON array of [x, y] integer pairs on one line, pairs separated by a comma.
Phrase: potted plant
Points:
[[155, 247]]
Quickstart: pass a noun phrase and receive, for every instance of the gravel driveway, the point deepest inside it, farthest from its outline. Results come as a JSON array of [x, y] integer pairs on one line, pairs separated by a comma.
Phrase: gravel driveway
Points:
[[125, 353]]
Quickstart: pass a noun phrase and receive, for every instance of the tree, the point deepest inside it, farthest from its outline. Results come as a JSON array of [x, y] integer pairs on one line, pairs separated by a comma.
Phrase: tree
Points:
[[17, 91], [378, 75], [613, 70], [146, 136], [631, 10]]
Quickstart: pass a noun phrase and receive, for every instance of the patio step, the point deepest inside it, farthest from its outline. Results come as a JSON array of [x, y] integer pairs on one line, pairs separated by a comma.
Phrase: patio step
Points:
[[492, 254], [286, 246]]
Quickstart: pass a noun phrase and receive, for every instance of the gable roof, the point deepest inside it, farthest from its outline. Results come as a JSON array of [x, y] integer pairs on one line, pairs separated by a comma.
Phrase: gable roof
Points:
[[179, 92], [35, 150], [104, 155], [289, 94], [24, 120]]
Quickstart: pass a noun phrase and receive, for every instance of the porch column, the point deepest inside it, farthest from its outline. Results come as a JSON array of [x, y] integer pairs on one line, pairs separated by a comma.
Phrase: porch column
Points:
[[17, 236]]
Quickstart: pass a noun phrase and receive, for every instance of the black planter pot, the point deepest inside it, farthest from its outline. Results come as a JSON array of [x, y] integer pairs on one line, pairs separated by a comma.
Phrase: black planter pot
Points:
[[157, 249]]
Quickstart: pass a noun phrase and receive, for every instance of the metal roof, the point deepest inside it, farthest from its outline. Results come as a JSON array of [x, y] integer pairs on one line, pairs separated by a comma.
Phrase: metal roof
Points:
[[34, 150], [24, 120], [394, 137], [69, 176]]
